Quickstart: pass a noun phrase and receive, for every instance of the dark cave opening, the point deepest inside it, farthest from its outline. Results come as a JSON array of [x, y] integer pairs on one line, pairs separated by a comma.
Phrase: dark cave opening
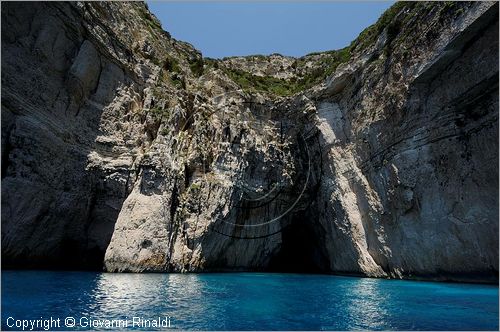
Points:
[[300, 251]]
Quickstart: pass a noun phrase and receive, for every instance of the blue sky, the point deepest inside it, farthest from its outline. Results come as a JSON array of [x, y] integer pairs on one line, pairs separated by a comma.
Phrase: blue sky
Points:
[[220, 29]]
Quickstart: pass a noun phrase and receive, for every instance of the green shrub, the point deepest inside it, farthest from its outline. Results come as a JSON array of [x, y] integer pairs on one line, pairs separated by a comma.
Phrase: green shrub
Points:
[[211, 63], [165, 132], [194, 186], [158, 113], [196, 66], [171, 64], [178, 81]]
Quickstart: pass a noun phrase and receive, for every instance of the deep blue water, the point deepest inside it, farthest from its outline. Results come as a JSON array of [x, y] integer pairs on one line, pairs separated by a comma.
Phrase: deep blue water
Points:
[[247, 301]]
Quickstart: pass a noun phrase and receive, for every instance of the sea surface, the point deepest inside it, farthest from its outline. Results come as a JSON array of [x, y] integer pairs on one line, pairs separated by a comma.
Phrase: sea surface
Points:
[[243, 301]]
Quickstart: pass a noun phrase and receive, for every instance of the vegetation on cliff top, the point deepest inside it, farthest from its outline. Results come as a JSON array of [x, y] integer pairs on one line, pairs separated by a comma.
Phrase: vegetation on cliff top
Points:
[[328, 61], [392, 22], [313, 68], [266, 84]]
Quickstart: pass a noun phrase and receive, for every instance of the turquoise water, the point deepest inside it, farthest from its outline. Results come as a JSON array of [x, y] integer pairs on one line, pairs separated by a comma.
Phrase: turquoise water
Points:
[[247, 301]]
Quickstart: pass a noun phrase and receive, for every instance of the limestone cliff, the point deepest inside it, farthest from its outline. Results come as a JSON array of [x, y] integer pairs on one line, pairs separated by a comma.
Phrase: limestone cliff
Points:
[[125, 148]]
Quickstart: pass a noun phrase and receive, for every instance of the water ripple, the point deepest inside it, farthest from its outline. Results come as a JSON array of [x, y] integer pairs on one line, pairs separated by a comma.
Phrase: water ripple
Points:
[[248, 301]]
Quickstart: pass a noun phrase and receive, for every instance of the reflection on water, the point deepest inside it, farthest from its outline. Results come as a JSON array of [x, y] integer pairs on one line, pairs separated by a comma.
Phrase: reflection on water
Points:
[[244, 301], [365, 306], [122, 296], [114, 292]]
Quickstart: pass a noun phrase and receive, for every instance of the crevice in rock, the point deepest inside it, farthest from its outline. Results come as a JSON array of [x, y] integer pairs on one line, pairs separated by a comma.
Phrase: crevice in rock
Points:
[[5, 155], [174, 203]]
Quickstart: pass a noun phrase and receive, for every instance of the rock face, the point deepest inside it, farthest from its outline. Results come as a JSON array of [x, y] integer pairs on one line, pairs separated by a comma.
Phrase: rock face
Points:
[[124, 148]]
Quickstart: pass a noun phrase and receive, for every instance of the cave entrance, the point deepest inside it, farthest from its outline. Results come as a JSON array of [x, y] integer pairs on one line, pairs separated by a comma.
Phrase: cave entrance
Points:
[[300, 251]]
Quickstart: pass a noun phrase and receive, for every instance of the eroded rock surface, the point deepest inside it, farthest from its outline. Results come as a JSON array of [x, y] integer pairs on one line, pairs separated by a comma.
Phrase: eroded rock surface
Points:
[[124, 148]]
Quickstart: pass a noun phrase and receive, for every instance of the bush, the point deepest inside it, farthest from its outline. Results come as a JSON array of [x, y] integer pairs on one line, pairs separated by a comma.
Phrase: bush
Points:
[[158, 113], [196, 66], [171, 64]]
